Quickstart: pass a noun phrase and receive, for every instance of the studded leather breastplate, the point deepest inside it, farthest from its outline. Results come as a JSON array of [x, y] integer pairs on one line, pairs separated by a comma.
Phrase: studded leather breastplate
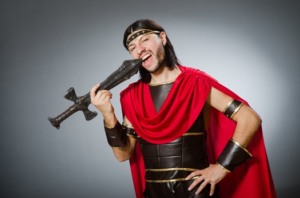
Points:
[[178, 158]]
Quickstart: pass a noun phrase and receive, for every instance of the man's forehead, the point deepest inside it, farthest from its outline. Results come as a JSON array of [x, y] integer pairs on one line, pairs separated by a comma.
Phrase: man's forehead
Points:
[[138, 34], [138, 39]]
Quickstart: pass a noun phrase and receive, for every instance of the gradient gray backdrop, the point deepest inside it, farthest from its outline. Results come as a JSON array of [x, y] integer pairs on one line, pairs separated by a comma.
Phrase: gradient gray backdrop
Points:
[[252, 47]]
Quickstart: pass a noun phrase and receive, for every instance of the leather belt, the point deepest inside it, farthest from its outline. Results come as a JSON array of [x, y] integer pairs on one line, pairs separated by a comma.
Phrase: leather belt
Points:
[[166, 175]]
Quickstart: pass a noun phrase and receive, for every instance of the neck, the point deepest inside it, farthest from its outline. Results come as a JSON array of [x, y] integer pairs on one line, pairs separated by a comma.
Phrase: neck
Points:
[[164, 74]]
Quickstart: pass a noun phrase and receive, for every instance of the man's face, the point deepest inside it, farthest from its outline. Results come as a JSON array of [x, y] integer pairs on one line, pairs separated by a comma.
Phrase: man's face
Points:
[[150, 48]]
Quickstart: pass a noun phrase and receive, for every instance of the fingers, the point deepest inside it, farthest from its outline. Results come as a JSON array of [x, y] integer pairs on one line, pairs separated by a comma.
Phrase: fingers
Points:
[[104, 96], [212, 189], [193, 174], [93, 90], [206, 176], [195, 183], [101, 94], [202, 186]]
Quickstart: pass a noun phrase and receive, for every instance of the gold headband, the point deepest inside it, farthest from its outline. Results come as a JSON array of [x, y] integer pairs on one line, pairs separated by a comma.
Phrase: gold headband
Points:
[[136, 34]]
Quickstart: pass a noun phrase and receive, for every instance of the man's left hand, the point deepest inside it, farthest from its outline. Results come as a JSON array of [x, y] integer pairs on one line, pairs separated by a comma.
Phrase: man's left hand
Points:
[[210, 175]]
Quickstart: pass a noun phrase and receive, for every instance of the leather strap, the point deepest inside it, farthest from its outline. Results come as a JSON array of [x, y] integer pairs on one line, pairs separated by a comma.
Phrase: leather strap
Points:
[[232, 108]]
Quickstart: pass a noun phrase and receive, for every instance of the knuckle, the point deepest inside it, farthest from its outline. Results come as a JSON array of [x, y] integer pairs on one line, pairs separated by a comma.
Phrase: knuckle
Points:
[[215, 181], [210, 181]]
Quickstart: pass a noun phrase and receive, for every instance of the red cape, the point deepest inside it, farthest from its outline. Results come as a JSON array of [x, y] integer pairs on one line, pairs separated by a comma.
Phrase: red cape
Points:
[[179, 111]]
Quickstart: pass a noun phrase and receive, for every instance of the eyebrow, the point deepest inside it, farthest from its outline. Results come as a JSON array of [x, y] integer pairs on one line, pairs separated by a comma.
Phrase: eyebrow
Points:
[[137, 40]]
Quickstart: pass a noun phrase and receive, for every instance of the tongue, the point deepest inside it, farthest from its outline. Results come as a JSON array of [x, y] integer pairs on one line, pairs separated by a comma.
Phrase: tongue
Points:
[[146, 60]]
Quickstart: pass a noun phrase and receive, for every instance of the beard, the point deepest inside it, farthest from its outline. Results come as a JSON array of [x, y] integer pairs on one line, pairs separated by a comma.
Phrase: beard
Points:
[[157, 66], [160, 57]]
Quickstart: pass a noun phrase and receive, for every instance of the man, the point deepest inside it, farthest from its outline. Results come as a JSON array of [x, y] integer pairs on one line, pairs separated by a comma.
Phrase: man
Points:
[[173, 112]]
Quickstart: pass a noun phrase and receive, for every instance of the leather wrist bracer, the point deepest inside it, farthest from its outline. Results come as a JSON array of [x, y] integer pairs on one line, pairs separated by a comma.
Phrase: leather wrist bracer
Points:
[[233, 155], [116, 137], [232, 108]]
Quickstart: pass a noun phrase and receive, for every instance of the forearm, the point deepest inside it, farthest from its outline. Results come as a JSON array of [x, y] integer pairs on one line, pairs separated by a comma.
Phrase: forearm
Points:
[[117, 138], [123, 154], [235, 152], [247, 124], [116, 134]]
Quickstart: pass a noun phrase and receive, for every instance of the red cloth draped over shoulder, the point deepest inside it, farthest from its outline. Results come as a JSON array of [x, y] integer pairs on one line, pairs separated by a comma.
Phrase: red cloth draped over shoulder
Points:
[[179, 111]]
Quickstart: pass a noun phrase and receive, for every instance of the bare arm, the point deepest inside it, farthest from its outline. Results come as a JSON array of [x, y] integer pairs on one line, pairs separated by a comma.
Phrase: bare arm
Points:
[[247, 119], [101, 100], [247, 124]]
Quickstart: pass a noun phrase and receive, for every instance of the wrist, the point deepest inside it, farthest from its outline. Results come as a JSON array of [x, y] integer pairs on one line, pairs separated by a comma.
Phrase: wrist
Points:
[[232, 156], [223, 168], [110, 120], [116, 136]]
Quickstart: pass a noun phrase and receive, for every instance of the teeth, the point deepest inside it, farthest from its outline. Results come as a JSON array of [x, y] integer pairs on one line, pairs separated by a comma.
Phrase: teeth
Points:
[[146, 56]]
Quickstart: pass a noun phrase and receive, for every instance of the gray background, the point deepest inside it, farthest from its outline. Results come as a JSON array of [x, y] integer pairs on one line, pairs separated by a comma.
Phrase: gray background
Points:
[[252, 47]]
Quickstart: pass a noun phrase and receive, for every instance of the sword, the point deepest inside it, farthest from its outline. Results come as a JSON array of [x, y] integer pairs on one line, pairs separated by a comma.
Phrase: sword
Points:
[[124, 72]]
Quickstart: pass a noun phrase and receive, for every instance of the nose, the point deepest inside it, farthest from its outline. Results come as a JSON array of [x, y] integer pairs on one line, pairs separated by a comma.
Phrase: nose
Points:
[[140, 49]]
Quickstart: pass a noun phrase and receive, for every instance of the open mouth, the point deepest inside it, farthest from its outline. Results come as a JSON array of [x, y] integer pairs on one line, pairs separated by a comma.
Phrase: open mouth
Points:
[[146, 57]]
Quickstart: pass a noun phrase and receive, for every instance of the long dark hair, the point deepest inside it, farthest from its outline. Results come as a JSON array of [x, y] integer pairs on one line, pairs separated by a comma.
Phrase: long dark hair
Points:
[[170, 57]]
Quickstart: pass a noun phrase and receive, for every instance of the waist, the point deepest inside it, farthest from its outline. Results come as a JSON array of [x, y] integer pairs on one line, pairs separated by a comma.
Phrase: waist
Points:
[[188, 150], [166, 175]]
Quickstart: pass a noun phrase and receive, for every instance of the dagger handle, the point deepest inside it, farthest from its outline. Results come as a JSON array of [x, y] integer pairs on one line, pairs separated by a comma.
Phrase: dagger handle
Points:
[[61, 117]]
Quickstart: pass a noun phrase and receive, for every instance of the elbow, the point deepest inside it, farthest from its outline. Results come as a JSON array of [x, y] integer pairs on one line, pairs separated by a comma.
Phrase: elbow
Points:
[[122, 159], [260, 120], [254, 118], [256, 121], [250, 120]]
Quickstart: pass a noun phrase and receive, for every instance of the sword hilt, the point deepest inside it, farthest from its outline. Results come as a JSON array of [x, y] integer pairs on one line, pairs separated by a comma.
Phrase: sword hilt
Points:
[[80, 104]]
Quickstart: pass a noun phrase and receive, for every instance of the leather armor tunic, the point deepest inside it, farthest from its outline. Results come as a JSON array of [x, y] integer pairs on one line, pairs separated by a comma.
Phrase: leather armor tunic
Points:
[[168, 164]]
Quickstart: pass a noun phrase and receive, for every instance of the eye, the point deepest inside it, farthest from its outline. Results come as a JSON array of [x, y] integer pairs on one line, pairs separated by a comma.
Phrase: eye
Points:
[[145, 39], [131, 49]]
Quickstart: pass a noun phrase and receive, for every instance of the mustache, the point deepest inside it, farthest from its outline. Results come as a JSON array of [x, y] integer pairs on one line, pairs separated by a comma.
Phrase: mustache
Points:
[[148, 51]]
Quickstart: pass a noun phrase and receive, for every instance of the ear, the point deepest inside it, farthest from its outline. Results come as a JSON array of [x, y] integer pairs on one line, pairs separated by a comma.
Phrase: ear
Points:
[[163, 37]]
